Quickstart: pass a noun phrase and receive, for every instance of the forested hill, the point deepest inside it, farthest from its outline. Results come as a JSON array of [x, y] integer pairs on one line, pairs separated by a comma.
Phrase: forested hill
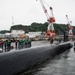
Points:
[[33, 27], [59, 28]]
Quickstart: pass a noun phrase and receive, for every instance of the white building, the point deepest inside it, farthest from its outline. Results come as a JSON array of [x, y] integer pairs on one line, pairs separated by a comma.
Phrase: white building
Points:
[[2, 35], [8, 35], [17, 33], [34, 35]]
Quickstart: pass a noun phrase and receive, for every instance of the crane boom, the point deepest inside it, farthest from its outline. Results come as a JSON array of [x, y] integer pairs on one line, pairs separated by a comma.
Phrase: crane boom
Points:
[[44, 9], [70, 33], [67, 19], [50, 28]]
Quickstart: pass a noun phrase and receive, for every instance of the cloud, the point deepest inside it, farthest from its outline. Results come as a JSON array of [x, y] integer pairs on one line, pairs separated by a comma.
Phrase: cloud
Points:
[[28, 11]]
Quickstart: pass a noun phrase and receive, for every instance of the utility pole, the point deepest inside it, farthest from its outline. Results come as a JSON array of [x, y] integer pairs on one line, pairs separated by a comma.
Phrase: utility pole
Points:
[[12, 20]]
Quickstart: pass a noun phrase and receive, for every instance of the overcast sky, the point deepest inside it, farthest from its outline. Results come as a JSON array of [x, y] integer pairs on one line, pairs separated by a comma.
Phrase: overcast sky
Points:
[[28, 11]]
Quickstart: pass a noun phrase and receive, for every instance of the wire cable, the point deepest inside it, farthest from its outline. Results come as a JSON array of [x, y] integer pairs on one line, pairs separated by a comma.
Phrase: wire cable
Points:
[[46, 3]]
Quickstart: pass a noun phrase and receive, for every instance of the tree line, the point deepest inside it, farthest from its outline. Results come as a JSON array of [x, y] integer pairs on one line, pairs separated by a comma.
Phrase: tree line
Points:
[[34, 27]]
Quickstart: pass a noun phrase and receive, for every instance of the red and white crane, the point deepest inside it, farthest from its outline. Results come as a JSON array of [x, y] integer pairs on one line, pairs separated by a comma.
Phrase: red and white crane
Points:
[[69, 26], [50, 29]]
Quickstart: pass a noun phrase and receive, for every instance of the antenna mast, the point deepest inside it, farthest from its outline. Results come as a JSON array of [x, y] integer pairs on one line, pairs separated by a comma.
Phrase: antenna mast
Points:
[[12, 20]]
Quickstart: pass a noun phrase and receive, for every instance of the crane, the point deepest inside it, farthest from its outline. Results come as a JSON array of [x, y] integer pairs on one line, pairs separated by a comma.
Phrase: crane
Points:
[[70, 33], [50, 29]]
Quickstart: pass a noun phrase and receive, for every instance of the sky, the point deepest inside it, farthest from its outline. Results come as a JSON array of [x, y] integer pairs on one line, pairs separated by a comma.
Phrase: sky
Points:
[[26, 12]]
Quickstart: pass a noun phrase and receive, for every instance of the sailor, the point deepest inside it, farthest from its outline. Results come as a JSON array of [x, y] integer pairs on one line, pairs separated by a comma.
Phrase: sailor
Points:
[[5, 45], [1, 43], [16, 44], [8, 44]]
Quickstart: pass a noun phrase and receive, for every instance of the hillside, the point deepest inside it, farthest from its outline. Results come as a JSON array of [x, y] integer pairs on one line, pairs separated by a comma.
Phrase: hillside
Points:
[[34, 27]]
